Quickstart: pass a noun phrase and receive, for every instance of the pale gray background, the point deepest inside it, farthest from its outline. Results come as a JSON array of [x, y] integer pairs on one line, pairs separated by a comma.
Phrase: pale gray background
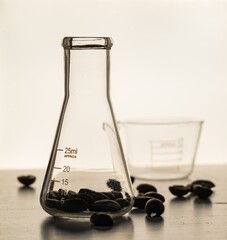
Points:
[[169, 59]]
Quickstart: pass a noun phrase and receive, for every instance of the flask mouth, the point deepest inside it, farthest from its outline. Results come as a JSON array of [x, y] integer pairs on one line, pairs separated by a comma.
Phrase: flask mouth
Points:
[[77, 43]]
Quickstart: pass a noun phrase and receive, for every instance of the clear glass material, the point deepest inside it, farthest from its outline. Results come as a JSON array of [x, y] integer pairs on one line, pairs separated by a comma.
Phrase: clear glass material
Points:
[[161, 149], [87, 172]]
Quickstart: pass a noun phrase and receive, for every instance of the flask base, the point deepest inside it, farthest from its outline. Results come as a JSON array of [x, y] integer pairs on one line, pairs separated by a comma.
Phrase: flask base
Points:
[[86, 193]]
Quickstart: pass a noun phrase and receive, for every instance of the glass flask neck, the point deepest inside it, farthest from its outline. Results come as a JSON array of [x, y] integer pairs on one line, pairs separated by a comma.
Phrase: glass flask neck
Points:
[[87, 63]]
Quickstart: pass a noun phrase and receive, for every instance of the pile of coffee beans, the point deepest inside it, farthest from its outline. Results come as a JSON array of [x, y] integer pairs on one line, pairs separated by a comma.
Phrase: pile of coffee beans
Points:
[[102, 203], [89, 200], [201, 188], [152, 202], [149, 199]]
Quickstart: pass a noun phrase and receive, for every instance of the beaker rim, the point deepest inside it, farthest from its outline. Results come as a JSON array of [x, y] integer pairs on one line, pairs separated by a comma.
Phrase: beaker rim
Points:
[[79, 43], [162, 121]]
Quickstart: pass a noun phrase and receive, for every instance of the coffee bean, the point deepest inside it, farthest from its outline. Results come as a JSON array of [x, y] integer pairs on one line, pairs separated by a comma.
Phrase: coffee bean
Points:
[[53, 195], [71, 193], [155, 195], [86, 197], [52, 203], [190, 187], [143, 188], [179, 190], [132, 179], [72, 205], [204, 183], [90, 193], [140, 201], [155, 206], [123, 202], [128, 197], [94, 194], [105, 205], [109, 195], [101, 219], [63, 193], [117, 194], [114, 184], [26, 180], [202, 191]]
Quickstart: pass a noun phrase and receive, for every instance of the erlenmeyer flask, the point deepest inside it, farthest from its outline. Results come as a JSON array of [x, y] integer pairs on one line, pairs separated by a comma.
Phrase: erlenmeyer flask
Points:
[[87, 172]]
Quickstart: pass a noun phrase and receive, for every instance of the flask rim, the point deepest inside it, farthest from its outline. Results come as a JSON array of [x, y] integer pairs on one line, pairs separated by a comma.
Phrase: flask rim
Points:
[[78, 43]]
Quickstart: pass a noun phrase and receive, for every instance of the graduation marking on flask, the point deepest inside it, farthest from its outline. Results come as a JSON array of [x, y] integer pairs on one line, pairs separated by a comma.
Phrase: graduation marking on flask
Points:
[[69, 152]]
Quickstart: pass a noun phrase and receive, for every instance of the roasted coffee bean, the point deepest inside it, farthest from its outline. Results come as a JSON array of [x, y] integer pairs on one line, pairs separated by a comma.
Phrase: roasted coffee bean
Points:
[[140, 194], [123, 202], [53, 195], [105, 205], [128, 197], [101, 219], [86, 197], [72, 205], [110, 195], [94, 194], [155, 195], [155, 206], [117, 194], [114, 184], [143, 188], [204, 183], [101, 196], [71, 193], [132, 179], [190, 187], [26, 180], [140, 201], [63, 193], [52, 203], [202, 191], [179, 190]]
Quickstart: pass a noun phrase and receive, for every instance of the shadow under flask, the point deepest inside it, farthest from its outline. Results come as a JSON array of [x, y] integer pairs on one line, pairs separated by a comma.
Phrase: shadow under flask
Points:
[[87, 172]]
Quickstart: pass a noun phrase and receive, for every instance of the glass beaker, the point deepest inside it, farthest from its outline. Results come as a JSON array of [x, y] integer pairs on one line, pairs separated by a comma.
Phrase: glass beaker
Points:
[[87, 171], [161, 149]]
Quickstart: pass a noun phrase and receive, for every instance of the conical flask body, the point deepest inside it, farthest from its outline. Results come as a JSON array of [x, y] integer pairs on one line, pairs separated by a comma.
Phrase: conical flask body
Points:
[[87, 172]]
